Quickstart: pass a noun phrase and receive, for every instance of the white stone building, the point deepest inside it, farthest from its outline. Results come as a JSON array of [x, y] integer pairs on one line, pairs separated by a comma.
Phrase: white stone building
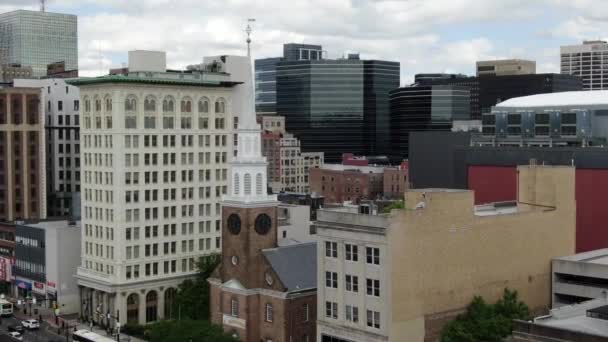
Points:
[[155, 165], [353, 261], [62, 135]]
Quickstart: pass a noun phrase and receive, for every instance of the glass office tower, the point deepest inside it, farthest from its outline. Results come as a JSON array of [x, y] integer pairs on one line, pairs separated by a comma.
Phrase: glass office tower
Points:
[[37, 39]]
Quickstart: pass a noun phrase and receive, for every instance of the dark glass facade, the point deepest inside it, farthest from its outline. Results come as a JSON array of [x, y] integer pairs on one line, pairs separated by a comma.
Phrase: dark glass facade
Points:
[[322, 102], [487, 91], [424, 108], [266, 85], [380, 77]]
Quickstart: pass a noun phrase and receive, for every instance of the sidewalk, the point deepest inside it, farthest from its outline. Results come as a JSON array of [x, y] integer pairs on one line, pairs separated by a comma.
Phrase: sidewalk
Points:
[[49, 319]]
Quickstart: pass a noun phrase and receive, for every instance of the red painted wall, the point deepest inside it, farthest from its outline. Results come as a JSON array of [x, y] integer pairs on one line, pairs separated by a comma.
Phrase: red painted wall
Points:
[[591, 210], [493, 183]]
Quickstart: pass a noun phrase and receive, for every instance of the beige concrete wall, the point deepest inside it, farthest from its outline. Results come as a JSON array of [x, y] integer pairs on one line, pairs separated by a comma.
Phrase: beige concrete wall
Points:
[[444, 255]]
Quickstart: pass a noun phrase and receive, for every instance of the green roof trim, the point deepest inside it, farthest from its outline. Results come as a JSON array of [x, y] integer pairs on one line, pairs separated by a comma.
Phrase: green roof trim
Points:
[[143, 80]]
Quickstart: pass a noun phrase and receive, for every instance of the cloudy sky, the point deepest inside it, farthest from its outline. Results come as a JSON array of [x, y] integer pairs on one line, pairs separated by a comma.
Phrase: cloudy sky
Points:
[[424, 35]]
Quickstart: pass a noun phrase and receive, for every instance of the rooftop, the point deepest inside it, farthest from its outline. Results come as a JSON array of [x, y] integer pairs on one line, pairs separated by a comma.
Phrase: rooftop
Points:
[[598, 256], [574, 318], [60, 224], [363, 169], [282, 259], [563, 99], [157, 78]]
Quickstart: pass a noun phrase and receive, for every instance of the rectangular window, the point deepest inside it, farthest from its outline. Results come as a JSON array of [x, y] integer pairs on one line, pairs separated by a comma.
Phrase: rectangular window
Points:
[[331, 249], [269, 313], [373, 255], [331, 279], [352, 283], [373, 287], [373, 319], [306, 313], [352, 313], [352, 252], [331, 310], [234, 308]]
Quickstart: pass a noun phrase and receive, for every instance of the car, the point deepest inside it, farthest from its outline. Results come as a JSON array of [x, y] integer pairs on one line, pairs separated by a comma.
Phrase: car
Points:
[[30, 324], [16, 328], [15, 335]]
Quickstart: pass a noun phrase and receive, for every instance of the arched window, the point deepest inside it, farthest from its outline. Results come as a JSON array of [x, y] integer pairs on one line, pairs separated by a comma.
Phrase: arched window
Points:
[[98, 105], [258, 184], [168, 111], [130, 104], [220, 106], [247, 184], [168, 105], [186, 105], [150, 104], [151, 306], [237, 184], [87, 104], [108, 102], [203, 105], [150, 112], [170, 309], [133, 308]]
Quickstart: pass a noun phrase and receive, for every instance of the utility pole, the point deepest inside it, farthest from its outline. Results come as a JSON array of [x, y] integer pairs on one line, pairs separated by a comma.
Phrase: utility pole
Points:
[[248, 31]]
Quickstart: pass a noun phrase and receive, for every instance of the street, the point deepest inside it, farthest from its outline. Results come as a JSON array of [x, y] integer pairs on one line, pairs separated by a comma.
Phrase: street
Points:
[[44, 334]]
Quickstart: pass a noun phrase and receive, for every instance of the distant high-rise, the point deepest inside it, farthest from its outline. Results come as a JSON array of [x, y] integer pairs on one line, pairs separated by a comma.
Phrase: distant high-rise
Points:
[[333, 106], [424, 108], [36, 39], [587, 61], [266, 73], [503, 67]]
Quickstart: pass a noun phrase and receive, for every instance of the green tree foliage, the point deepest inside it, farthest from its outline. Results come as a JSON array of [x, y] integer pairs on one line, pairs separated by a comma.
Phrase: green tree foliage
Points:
[[192, 299], [486, 322], [187, 330], [394, 205]]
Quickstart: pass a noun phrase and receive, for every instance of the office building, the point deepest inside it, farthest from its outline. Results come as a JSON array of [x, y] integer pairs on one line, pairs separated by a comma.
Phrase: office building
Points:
[[391, 277], [256, 293], [424, 108], [58, 70], [266, 73], [155, 147], [584, 322], [427, 79], [586, 61], [62, 140], [7, 256], [503, 67], [488, 91], [379, 78], [22, 155], [8, 72], [35, 39], [47, 255], [324, 99], [288, 166]]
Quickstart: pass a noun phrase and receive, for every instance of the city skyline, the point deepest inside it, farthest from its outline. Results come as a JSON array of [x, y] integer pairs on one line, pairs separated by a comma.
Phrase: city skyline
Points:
[[423, 36]]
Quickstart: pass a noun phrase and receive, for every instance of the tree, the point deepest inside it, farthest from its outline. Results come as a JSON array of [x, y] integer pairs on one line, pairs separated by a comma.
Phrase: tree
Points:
[[192, 299], [187, 330], [486, 322], [395, 205]]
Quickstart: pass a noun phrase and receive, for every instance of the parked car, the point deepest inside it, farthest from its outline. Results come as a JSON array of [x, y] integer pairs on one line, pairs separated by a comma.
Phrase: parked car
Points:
[[30, 324], [15, 335], [16, 328]]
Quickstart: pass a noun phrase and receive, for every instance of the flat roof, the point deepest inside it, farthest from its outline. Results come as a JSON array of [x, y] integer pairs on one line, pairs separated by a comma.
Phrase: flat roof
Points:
[[149, 80], [574, 318], [342, 167], [598, 256], [61, 224], [583, 98]]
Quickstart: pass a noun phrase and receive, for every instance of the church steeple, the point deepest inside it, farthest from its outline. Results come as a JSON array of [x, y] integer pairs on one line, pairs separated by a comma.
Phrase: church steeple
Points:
[[249, 168]]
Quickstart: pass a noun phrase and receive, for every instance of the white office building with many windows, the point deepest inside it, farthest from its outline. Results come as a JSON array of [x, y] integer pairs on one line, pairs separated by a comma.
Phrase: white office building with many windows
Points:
[[156, 148]]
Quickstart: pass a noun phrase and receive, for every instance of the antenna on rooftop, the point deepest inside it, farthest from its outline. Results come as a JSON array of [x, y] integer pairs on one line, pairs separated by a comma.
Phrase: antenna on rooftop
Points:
[[248, 31], [43, 6]]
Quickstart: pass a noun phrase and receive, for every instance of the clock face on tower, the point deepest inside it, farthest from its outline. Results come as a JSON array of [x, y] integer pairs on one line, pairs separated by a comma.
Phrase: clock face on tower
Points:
[[262, 224], [234, 224]]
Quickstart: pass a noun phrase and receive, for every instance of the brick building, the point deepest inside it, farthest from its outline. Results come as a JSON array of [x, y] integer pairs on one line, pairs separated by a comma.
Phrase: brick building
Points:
[[339, 183], [22, 162], [256, 293], [395, 181]]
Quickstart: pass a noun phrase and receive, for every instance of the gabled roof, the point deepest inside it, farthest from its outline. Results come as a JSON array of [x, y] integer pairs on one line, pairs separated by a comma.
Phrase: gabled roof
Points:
[[295, 265]]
